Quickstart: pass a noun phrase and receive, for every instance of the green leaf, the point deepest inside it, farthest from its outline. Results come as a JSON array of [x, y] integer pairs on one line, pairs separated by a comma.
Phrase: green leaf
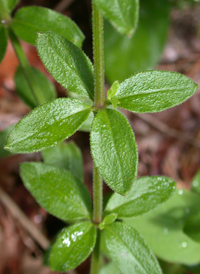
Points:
[[3, 42], [72, 247], [192, 227], [29, 21], [128, 250], [109, 219], [86, 126], [196, 183], [124, 56], [153, 91], [146, 194], [12, 4], [123, 14], [67, 63], [66, 156], [114, 150], [57, 191], [163, 228], [3, 136], [46, 88], [110, 268], [113, 89], [47, 125]]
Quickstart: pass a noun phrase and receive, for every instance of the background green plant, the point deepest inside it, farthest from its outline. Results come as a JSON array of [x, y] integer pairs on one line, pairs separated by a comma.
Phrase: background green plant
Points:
[[113, 145]]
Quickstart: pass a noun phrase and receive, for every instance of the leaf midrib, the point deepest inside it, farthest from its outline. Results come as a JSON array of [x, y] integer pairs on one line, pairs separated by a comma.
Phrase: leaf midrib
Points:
[[152, 91], [127, 247], [46, 127]]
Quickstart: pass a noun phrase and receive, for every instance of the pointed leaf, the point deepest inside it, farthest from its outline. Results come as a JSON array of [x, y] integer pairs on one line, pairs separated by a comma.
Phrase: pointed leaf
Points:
[[113, 89], [3, 42], [128, 250], [67, 63], [86, 126], [196, 183], [146, 194], [114, 150], [24, 91], [3, 136], [123, 14], [57, 191], [110, 268], [47, 125], [73, 247], [109, 219], [12, 4], [163, 228], [153, 91], [66, 156], [29, 21], [125, 56]]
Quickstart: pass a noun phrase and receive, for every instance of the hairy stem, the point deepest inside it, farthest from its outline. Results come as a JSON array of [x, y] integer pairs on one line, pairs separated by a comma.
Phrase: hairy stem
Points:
[[39, 99], [99, 101]]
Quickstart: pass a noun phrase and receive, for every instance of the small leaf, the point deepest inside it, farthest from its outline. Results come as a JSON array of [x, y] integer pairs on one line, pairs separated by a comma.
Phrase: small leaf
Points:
[[163, 228], [123, 14], [109, 219], [67, 63], [125, 56], [57, 191], [114, 150], [3, 42], [29, 21], [3, 136], [128, 250], [47, 125], [46, 88], [110, 268], [113, 89], [146, 194], [66, 156], [73, 247], [196, 183], [153, 91]]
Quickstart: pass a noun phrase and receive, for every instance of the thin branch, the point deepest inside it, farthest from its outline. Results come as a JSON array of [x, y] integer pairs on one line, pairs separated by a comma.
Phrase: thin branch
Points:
[[63, 5], [24, 220], [157, 124]]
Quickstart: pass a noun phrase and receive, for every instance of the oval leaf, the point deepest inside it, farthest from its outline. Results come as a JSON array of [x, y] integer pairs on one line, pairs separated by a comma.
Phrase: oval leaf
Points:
[[124, 55], [114, 150], [46, 88], [57, 191], [66, 156], [128, 250], [163, 229], [29, 21], [47, 125], [153, 91], [123, 14], [72, 247], [146, 194], [67, 64], [3, 42]]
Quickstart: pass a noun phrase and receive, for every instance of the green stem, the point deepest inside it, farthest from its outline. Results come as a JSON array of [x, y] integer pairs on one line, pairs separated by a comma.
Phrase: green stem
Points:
[[97, 196], [26, 68], [4, 11], [95, 256], [99, 101], [98, 56]]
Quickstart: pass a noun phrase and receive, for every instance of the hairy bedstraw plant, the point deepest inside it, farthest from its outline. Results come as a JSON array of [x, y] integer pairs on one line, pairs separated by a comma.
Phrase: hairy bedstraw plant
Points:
[[112, 141]]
